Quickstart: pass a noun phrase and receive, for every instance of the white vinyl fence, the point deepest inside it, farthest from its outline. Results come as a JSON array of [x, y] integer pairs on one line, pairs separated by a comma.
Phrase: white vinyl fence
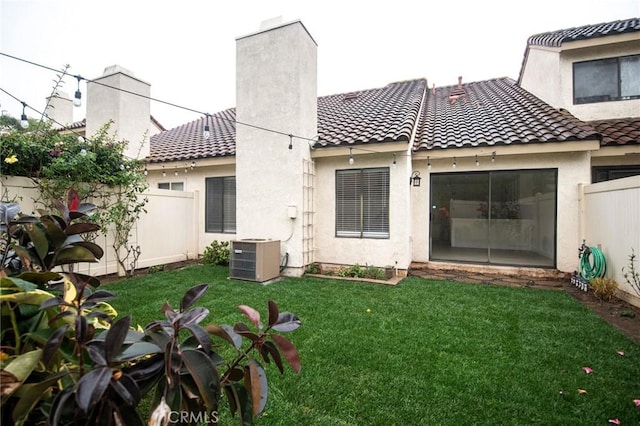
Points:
[[611, 221], [167, 233]]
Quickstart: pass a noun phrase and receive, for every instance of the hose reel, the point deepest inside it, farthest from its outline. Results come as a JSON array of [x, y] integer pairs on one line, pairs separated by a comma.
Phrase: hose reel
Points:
[[592, 265]]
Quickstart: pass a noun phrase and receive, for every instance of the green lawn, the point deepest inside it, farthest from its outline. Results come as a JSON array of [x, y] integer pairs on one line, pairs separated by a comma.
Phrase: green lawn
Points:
[[422, 353]]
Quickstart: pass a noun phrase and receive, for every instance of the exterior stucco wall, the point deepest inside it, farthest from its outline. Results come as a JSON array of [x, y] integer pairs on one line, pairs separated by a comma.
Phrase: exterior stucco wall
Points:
[[599, 110], [130, 113], [542, 76], [195, 182], [276, 89], [548, 74], [573, 169], [393, 252]]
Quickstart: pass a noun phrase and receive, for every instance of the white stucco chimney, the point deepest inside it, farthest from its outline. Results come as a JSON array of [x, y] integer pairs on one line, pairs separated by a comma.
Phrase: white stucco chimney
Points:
[[60, 110], [276, 94], [119, 96]]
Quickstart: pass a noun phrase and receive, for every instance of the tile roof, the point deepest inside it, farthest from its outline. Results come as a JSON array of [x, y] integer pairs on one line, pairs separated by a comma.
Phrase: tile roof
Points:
[[618, 132], [387, 114], [557, 38], [493, 112], [486, 113], [187, 142]]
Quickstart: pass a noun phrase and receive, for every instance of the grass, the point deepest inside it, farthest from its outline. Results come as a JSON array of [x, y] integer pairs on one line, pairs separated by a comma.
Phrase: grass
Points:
[[423, 352]]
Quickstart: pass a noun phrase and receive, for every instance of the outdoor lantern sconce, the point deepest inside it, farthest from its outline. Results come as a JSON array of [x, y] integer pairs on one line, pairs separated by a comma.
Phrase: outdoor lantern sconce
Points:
[[415, 179]]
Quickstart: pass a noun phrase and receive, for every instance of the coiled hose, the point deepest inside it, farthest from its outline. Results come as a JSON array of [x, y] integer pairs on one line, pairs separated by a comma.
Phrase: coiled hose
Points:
[[592, 264]]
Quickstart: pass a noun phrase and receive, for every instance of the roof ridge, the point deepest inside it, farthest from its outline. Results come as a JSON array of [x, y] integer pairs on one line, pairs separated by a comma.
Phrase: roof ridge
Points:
[[556, 38]]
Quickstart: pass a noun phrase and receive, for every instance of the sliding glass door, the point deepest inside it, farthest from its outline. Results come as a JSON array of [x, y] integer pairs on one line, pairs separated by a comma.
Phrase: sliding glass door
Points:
[[498, 217]]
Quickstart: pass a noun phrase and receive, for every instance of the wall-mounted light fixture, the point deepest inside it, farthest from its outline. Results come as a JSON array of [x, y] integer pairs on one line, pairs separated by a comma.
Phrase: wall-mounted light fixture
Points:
[[415, 178]]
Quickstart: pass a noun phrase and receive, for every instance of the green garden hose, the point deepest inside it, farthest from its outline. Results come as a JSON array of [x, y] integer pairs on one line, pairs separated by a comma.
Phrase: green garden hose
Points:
[[592, 264]]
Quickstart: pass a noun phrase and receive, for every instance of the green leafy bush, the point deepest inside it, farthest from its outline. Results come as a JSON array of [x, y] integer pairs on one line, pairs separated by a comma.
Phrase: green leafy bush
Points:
[[216, 253], [313, 268], [604, 288], [357, 271], [155, 269], [375, 273], [632, 276], [66, 359], [353, 271]]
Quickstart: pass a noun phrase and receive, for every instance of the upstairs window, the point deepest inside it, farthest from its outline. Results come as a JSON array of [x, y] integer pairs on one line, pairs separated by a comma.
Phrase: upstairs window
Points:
[[220, 204], [362, 203], [604, 80]]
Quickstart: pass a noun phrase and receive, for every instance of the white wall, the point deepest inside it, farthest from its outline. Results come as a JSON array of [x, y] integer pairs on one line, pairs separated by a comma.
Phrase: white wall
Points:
[[542, 75], [392, 252], [194, 182], [129, 112], [548, 74]]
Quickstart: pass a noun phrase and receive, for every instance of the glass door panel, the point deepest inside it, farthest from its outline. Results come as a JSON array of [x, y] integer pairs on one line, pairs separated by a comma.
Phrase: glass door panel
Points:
[[503, 217], [459, 232]]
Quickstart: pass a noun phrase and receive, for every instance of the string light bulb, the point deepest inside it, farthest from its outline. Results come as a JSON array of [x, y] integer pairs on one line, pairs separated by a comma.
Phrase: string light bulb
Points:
[[193, 165], [394, 161], [164, 173], [477, 161], [290, 142], [206, 134], [350, 157], [454, 163], [24, 123], [493, 157], [428, 163], [146, 172], [175, 173], [77, 99]]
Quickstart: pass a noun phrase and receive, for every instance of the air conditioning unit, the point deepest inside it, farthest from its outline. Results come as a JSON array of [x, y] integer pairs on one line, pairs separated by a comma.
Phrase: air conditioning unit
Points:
[[254, 260]]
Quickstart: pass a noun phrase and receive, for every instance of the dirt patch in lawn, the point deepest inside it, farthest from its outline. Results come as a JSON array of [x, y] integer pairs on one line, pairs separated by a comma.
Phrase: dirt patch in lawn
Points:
[[107, 279], [617, 312]]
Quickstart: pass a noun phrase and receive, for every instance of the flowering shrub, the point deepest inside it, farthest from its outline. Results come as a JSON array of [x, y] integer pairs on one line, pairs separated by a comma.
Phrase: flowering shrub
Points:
[[95, 167]]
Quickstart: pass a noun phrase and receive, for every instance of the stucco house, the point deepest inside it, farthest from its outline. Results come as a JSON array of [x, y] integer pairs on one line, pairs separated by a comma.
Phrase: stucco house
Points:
[[479, 174]]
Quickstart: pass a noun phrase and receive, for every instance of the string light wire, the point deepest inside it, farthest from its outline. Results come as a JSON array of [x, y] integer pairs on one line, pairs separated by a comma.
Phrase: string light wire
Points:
[[172, 104]]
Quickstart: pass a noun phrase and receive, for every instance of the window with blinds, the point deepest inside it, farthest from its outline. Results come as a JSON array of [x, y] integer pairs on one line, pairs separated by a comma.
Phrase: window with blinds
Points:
[[362, 203], [220, 204]]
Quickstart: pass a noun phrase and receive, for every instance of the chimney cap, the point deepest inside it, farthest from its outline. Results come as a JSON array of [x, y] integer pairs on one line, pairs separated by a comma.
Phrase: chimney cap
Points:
[[114, 69]]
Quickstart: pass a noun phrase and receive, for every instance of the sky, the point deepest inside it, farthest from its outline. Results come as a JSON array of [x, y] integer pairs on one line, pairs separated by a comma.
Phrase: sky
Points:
[[186, 48]]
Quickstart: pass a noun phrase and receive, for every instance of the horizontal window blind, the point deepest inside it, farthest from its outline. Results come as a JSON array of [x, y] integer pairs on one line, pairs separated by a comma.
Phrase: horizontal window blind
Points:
[[362, 203], [220, 204]]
